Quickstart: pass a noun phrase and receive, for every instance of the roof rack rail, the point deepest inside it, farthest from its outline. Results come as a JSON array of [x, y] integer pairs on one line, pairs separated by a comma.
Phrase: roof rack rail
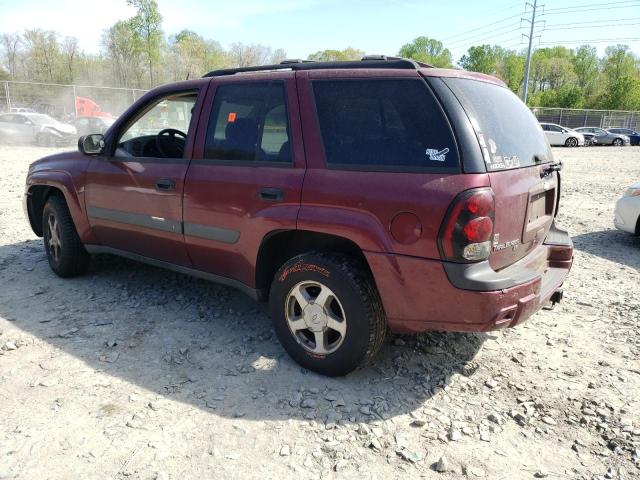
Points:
[[369, 61], [294, 60]]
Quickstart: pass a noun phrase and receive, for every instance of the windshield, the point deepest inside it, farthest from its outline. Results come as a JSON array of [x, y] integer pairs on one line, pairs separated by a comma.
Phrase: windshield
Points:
[[509, 134], [41, 119]]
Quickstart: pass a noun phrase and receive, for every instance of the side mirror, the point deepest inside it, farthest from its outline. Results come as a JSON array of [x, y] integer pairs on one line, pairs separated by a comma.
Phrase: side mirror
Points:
[[91, 144]]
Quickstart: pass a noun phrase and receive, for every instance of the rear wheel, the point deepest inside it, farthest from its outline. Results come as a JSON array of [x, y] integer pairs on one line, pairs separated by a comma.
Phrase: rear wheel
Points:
[[618, 142], [571, 142], [327, 313], [66, 254]]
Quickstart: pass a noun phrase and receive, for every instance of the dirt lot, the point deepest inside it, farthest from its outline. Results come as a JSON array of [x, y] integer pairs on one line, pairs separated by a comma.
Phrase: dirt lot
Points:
[[134, 372]]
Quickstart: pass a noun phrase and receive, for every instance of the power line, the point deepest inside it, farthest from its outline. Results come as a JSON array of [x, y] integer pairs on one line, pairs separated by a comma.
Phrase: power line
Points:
[[597, 4], [581, 10], [593, 40], [488, 25], [586, 23], [500, 9], [590, 26], [482, 36]]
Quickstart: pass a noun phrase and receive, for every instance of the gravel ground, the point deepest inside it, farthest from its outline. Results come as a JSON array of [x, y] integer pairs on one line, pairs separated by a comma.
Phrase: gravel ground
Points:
[[134, 372]]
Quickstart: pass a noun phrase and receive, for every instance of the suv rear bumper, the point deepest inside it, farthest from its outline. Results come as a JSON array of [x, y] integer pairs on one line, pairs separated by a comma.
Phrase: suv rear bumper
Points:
[[420, 294]]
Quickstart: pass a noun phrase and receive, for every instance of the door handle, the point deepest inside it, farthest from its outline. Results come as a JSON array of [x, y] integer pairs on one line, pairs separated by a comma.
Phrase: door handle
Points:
[[165, 184], [271, 194]]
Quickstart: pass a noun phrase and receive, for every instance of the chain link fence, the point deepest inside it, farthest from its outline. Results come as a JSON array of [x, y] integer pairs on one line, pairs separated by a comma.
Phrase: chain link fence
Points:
[[65, 102], [574, 118]]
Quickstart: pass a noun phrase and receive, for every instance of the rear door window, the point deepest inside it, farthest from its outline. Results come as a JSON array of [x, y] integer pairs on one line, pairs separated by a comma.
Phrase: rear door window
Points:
[[249, 122], [393, 124], [509, 134]]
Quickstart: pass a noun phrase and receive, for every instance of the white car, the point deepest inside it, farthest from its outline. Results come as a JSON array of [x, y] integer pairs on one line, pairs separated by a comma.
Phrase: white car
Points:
[[36, 128], [559, 135], [627, 214]]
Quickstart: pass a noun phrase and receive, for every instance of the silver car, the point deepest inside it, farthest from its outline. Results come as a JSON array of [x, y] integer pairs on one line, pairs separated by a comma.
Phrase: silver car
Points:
[[602, 137], [35, 128]]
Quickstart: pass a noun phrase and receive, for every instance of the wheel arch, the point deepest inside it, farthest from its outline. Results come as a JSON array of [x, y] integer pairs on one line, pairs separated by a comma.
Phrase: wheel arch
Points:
[[281, 245], [36, 198], [41, 186]]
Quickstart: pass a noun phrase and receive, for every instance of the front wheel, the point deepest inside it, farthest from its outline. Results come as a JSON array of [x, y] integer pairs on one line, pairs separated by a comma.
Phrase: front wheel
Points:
[[618, 142], [571, 142], [327, 313], [66, 254]]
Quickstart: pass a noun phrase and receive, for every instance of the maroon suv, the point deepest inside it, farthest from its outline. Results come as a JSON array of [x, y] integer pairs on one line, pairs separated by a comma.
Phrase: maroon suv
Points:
[[356, 197]]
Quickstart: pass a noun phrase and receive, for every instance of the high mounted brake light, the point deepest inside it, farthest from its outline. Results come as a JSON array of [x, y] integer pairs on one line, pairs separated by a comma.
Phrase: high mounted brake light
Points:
[[467, 229]]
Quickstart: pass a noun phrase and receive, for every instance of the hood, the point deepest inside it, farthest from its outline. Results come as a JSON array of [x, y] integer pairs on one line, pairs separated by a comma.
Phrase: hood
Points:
[[52, 161]]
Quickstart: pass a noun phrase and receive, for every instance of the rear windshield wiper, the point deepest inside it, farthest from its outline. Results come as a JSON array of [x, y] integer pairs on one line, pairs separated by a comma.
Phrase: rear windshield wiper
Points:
[[554, 167]]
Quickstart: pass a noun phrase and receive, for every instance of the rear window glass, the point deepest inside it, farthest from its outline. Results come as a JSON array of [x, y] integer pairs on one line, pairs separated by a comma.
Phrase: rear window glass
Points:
[[509, 134], [383, 124]]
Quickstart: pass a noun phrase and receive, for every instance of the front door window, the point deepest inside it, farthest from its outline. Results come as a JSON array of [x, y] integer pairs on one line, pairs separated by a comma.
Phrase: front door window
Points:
[[161, 131]]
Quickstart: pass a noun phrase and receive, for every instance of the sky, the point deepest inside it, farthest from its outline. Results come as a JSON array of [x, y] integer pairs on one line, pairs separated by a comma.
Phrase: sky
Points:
[[302, 27]]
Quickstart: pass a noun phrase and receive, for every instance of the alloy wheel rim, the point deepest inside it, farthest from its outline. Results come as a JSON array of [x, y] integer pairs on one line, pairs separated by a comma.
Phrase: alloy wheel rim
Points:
[[53, 241], [315, 317]]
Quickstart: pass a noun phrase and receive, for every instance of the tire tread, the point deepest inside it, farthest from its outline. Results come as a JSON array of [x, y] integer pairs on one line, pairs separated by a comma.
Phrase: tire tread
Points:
[[76, 260]]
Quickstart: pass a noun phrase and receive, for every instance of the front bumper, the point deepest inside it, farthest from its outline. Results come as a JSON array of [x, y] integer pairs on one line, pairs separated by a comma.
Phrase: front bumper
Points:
[[421, 294], [627, 214]]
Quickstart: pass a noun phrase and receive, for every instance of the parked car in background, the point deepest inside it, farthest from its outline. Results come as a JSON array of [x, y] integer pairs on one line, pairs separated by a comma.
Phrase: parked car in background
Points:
[[22, 110], [88, 125], [589, 139], [338, 191], [627, 213], [634, 136], [35, 128], [602, 137], [559, 135]]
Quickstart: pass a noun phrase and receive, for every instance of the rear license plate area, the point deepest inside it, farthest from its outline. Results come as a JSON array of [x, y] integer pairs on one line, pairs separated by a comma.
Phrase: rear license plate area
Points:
[[542, 201]]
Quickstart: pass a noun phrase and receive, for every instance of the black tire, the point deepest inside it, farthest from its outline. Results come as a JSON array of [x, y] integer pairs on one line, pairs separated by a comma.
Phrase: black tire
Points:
[[355, 294], [69, 258], [571, 142], [617, 142]]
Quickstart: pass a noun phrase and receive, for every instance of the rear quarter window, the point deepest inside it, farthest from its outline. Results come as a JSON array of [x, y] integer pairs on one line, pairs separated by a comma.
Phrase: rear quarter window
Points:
[[393, 124], [509, 134]]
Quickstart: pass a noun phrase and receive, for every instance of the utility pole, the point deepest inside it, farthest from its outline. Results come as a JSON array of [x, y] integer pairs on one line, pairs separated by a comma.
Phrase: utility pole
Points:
[[527, 66]]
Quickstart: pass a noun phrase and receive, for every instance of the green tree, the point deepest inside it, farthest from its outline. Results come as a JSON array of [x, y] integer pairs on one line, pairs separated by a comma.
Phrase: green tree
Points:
[[482, 58], [623, 94], [189, 50], [511, 70], [347, 54], [585, 66], [42, 55], [147, 23], [11, 44], [567, 96], [70, 52], [427, 50], [619, 62], [122, 47], [551, 68]]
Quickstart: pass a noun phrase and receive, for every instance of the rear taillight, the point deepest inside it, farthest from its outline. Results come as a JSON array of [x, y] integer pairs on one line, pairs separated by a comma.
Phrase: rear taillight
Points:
[[467, 229]]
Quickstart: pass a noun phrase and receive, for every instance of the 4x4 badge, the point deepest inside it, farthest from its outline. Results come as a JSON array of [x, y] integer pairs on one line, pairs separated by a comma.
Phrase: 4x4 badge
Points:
[[437, 155]]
